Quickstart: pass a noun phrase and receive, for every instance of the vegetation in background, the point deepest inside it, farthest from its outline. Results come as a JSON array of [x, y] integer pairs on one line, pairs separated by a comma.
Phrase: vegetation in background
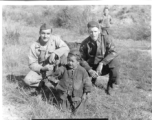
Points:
[[130, 33], [129, 22]]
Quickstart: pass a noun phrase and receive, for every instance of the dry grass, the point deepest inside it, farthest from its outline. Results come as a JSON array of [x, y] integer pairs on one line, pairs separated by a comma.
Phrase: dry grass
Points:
[[132, 101], [127, 103]]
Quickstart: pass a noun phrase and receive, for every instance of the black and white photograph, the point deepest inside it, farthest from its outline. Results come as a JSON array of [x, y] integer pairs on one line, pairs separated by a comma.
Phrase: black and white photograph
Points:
[[89, 61]]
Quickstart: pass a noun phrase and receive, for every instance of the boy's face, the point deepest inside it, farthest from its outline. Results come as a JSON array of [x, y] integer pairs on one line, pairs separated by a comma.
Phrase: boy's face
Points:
[[72, 62], [45, 35]]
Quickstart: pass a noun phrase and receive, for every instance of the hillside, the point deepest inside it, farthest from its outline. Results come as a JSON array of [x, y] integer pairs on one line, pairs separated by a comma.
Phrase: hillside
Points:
[[131, 35]]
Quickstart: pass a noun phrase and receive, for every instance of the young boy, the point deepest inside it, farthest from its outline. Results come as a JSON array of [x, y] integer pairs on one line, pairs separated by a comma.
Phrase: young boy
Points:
[[74, 85]]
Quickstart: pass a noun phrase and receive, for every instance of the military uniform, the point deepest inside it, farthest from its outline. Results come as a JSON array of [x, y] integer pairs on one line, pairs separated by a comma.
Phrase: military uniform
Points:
[[102, 50], [72, 85], [38, 56]]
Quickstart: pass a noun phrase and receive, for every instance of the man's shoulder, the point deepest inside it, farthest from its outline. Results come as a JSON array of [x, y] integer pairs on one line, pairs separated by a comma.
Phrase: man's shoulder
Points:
[[106, 37], [85, 41], [35, 44], [55, 37]]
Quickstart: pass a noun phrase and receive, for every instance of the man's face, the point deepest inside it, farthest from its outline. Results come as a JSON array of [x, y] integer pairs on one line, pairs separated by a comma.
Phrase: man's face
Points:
[[94, 33], [45, 35], [72, 62], [106, 12]]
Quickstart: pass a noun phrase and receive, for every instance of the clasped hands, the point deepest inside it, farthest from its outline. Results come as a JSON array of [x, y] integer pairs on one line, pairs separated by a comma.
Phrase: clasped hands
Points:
[[52, 60], [95, 74]]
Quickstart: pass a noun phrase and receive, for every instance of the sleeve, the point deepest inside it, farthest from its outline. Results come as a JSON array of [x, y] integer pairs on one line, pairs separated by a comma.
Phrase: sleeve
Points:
[[33, 60], [83, 52], [110, 20], [87, 82], [62, 48], [59, 72], [111, 52]]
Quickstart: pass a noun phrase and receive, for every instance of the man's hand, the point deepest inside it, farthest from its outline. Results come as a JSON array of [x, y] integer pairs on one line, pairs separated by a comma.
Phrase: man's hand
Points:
[[93, 73], [43, 69], [52, 58], [47, 68], [99, 68]]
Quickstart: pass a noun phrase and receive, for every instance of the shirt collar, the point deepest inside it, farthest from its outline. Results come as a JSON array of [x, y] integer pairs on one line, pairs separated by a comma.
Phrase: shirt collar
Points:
[[98, 40]]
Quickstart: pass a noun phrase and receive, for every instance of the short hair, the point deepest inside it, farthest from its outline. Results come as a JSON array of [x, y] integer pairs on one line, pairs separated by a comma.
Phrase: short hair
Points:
[[105, 9], [45, 26], [76, 53], [93, 24]]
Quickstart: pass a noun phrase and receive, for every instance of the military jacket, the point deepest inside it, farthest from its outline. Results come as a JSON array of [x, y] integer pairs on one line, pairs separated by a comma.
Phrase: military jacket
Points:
[[93, 52], [55, 44]]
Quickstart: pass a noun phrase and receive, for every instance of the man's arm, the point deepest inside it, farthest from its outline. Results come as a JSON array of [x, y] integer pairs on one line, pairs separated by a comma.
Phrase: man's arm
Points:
[[110, 20], [111, 52], [62, 48], [87, 82], [33, 60], [83, 51]]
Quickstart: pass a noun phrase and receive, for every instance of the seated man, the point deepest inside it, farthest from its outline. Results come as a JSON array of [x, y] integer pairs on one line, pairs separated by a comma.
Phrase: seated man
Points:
[[43, 55], [99, 56], [74, 85]]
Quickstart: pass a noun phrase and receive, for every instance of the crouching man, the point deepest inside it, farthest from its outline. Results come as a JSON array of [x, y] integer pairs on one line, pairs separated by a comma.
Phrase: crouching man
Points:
[[99, 56], [43, 55], [74, 85]]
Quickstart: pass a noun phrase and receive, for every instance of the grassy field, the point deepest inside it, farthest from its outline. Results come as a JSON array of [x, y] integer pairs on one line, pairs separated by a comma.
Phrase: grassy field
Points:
[[132, 101]]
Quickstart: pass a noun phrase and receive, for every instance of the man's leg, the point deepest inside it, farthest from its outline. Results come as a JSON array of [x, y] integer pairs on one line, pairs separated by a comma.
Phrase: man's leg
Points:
[[32, 79], [98, 81], [113, 74]]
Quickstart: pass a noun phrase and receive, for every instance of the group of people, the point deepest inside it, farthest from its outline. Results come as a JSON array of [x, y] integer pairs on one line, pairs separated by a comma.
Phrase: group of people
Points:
[[76, 70]]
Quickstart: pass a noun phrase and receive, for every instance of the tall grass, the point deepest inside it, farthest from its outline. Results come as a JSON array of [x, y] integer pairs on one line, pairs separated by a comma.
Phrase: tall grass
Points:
[[131, 101], [126, 103]]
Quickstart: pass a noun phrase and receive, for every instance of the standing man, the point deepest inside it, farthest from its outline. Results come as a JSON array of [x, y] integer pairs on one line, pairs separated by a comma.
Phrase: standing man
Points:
[[99, 56], [105, 22], [43, 55]]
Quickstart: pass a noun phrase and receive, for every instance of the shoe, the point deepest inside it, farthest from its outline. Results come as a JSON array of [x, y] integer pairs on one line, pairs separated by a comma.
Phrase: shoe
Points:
[[35, 91], [108, 90]]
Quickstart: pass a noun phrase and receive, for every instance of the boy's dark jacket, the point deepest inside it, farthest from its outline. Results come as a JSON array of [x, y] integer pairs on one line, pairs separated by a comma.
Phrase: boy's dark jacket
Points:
[[76, 83]]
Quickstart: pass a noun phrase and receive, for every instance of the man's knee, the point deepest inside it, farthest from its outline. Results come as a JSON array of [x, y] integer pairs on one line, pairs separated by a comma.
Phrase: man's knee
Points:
[[32, 79], [114, 75], [63, 59], [27, 80]]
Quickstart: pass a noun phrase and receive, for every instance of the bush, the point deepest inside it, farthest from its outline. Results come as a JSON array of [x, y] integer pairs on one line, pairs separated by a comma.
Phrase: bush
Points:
[[11, 37], [74, 18], [132, 22]]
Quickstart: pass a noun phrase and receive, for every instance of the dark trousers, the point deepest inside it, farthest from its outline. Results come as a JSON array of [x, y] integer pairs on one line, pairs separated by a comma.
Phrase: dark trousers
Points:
[[112, 69]]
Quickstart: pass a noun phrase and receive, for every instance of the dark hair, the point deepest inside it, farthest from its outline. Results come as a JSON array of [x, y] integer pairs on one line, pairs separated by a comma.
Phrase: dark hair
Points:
[[45, 26], [105, 9], [93, 24], [76, 53]]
